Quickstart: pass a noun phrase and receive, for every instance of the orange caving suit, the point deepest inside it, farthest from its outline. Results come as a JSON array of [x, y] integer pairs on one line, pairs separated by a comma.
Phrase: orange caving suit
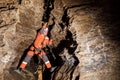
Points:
[[40, 42]]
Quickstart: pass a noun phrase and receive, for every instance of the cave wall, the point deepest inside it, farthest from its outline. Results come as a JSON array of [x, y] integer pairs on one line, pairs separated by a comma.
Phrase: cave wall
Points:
[[8, 18], [85, 37], [19, 21], [98, 49], [94, 26]]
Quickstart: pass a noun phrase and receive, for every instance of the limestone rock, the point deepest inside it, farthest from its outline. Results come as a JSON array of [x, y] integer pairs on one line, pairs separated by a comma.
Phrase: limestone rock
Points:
[[19, 20], [85, 37]]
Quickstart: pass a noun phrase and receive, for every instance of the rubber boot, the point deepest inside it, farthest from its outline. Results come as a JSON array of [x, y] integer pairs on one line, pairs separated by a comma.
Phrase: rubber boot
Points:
[[19, 70], [52, 69]]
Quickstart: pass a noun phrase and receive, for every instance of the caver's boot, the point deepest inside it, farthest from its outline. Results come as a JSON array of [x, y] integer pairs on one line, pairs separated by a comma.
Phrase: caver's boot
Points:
[[52, 69], [19, 70]]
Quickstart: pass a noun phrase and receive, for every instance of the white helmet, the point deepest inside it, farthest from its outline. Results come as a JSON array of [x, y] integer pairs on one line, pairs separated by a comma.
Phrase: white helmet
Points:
[[45, 32]]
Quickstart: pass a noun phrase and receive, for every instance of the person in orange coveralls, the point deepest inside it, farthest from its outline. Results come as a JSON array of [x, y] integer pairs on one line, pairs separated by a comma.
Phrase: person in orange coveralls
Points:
[[37, 48]]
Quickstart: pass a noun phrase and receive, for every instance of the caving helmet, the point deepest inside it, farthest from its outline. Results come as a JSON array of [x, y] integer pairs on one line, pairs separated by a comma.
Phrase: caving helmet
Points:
[[44, 29]]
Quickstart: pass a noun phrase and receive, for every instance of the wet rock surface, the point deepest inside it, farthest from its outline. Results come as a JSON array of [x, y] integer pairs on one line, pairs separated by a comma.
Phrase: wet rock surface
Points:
[[86, 37]]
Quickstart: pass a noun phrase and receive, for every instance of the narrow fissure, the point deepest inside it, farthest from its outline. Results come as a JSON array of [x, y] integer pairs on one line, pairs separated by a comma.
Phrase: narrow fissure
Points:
[[65, 62], [48, 6]]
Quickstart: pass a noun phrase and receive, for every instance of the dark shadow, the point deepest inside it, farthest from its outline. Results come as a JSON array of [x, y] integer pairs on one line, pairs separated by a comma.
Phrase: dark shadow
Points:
[[77, 78], [66, 44], [109, 18], [20, 1], [50, 28], [74, 66], [48, 6], [65, 18]]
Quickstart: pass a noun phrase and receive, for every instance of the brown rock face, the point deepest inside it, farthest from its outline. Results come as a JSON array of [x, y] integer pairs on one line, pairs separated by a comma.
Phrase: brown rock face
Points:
[[86, 37], [96, 38], [19, 21], [90, 38]]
